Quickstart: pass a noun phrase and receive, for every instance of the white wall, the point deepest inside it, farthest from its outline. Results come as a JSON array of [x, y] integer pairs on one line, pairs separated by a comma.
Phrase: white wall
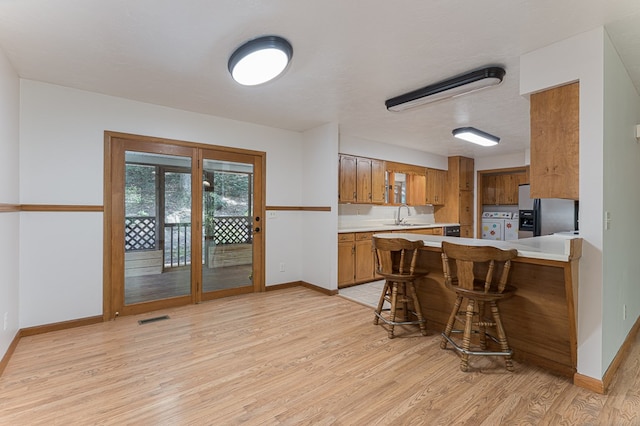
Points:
[[621, 288], [9, 194], [61, 162], [383, 151], [320, 182], [581, 58]]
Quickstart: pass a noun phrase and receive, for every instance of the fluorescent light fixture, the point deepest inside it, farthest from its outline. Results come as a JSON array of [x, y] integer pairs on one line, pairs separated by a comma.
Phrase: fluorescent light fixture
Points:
[[260, 60], [456, 86], [473, 135]]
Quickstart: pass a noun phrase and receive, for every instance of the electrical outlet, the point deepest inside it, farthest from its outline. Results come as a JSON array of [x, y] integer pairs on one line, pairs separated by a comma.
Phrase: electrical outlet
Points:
[[6, 320], [271, 214], [282, 267]]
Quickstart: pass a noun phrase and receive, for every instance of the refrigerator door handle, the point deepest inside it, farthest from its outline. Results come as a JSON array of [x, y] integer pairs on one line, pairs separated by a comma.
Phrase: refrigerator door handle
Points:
[[537, 217]]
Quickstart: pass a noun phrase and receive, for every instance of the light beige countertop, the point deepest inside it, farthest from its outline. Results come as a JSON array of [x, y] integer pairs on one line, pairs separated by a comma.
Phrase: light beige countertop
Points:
[[389, 226], [547, 247]]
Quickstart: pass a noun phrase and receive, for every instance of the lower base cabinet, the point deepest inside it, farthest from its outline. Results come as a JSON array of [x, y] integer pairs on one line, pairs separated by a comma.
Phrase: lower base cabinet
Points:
[[356, 261], [356, 258]]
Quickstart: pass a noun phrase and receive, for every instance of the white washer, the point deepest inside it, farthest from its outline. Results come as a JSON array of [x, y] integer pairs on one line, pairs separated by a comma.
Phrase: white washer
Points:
[[499, 226]]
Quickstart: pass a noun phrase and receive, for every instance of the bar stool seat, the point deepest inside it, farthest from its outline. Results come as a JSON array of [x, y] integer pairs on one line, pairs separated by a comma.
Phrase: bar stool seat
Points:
[[396, 262], [479, 275]]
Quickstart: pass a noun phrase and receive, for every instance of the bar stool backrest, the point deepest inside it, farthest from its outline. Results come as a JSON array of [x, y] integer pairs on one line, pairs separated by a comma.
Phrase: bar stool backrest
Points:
[[471, 262], [396, 256]]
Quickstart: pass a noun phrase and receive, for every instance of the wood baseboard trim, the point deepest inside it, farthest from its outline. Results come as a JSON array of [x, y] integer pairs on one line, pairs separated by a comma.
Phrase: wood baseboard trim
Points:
[[40, 329], [602, 386], [589, 383], [622, 354], [301, 284], [7, 356]]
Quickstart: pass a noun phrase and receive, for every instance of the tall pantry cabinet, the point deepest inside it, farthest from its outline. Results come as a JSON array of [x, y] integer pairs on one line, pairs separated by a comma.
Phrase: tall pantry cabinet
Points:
[[459, 195]]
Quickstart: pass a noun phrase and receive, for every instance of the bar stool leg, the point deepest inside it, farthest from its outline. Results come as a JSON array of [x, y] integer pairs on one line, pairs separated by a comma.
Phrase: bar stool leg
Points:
[[383, 295], [466, 338], [417, 309], [451, 322], [392, 312], [482, 326], [502, 337]]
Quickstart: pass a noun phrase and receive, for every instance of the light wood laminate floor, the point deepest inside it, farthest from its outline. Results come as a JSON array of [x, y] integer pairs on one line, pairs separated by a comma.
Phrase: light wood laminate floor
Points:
[[285, 357]]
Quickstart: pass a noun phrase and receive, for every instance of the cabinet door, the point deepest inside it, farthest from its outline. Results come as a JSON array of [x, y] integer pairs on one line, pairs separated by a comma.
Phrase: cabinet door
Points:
[[416, 190], [466, 231], [466, 173], [363, 180], [347, 172], [346, 263], [507, 189], [555, 126], [378, 189], [436, 186], [489, 189], [422, 231], [364, 261], [466, 208]]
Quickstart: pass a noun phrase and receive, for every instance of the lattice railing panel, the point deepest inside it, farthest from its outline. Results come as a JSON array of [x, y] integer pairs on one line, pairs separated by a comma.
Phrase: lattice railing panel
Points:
[[232, 230], [140, 233]]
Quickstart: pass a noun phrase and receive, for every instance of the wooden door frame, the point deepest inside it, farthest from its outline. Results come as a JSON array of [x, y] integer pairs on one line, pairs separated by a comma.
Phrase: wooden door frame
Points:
[[113, 257]]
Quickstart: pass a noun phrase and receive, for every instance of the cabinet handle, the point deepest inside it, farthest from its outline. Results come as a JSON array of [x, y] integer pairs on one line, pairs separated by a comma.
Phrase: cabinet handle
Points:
[[354, 195]]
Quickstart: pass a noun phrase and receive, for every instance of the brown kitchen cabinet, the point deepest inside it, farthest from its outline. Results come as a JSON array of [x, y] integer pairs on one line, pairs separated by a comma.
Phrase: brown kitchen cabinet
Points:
[[502, 188], [361, 180], [466, 231], [416, 189], [465, 173], [436, 186], [347, 179], [424, 231], [356, 262], [346, 259], [489, 189], [459, 205], [555, 128]]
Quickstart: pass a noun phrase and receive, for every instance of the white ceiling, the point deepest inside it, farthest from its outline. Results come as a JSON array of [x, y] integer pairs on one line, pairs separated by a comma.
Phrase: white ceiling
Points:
[[349, 57]]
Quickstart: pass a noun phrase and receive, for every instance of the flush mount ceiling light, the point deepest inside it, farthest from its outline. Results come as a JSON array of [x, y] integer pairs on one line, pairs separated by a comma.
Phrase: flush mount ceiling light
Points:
[[260, 60], [456, 86], [473, 135]]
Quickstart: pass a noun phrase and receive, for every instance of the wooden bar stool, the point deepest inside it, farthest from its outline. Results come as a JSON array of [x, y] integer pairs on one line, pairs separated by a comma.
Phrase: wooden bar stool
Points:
[[396, 262], [472, 279]]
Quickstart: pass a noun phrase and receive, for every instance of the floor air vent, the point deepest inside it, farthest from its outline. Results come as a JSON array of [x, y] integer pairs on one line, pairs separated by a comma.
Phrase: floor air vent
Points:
[[148, 320]]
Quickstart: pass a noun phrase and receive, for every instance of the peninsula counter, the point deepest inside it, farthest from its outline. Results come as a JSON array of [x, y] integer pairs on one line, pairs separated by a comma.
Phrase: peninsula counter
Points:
[[540, 320]]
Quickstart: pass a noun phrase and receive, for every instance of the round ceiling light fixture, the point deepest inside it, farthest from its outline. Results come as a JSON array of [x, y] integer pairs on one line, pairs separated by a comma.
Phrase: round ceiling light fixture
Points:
[[260, 60]]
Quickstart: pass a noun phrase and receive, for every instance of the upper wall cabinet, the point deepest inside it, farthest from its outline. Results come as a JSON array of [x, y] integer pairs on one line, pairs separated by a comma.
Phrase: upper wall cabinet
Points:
[[502, 188], [436, 186], [361, 180], [555, 127]]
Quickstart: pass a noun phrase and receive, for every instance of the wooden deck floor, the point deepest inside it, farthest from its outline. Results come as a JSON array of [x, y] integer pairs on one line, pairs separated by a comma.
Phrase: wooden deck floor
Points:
[[177, 282], [284, 357]]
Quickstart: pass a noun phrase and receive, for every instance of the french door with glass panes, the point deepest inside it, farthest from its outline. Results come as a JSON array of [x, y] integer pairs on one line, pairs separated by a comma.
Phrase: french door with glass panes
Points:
[[184, 223]]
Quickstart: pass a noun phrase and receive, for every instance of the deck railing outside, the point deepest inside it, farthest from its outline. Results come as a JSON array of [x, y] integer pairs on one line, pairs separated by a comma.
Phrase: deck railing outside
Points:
[[140, 234]]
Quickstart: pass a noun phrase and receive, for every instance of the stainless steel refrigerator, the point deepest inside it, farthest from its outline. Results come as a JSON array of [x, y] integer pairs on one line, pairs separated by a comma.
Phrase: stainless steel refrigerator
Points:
[[545, 216]]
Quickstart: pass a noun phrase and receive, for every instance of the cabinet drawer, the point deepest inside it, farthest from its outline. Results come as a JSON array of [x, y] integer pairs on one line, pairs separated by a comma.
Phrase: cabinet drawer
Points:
[[361, 236], [345, 237]]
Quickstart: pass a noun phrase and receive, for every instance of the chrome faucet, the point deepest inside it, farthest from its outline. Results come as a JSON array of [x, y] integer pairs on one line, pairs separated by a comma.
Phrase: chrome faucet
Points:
[[398, 219]]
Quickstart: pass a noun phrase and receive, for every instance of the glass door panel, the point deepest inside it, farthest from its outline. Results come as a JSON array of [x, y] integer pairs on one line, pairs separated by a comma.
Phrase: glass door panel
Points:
[[227, 231], [157, 227]]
